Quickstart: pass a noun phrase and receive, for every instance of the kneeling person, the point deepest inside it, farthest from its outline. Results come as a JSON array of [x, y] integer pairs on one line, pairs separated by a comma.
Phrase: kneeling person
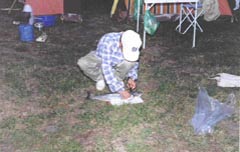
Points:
[[115, 59]]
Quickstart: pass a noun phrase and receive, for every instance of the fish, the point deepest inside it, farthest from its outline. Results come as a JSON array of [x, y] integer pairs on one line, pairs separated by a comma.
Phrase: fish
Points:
[[116, 99]]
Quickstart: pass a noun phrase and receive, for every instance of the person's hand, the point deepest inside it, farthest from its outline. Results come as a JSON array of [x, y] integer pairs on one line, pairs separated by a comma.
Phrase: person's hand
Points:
[[125, 94], [131, 84]]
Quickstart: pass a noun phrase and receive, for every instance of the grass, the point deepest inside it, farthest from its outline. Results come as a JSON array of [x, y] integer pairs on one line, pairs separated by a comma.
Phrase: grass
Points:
[[160, 123], [46, 109]]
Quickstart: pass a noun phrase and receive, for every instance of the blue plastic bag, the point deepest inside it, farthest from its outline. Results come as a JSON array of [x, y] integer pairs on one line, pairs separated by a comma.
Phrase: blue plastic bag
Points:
[[209, 112]]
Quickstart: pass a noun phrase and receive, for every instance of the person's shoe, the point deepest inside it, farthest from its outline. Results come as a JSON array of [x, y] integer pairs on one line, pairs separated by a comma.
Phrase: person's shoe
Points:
[[100, 85]]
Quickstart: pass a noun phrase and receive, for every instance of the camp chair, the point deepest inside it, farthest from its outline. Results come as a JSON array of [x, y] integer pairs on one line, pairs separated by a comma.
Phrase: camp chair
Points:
[[187, 14]]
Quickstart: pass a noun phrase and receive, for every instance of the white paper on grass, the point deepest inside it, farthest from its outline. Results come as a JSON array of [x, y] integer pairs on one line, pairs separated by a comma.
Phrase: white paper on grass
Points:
[[116, 99], [227, 80]]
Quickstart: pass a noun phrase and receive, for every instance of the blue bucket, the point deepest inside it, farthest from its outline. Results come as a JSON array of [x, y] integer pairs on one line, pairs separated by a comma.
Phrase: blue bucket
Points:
[[48, 20], [26, 32]]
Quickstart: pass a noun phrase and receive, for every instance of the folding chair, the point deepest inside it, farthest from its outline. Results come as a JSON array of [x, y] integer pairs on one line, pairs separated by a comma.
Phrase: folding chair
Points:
[[187, 13]]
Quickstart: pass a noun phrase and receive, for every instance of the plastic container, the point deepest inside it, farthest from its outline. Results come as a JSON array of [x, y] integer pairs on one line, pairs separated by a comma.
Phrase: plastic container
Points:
[[48, 20], [26, 32]]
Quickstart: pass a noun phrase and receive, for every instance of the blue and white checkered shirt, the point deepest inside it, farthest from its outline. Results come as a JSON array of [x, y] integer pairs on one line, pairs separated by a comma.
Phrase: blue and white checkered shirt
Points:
[[109, 50]]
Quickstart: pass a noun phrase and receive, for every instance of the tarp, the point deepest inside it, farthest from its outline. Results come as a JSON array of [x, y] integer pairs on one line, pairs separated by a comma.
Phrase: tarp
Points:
[[215, 8], [46, 7], [211, 9]]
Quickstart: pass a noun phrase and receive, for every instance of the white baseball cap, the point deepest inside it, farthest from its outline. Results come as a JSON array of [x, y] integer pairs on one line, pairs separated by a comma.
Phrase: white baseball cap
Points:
[[131, 42]]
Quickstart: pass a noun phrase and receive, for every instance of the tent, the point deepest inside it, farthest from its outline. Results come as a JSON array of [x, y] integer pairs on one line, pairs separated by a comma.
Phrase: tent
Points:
[[50, 7], [46, 7], [224, 7]]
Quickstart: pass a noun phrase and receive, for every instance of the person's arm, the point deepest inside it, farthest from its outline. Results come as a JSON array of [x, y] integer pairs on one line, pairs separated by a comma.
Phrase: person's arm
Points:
[[108, 71], [131, 84], [133, 73]]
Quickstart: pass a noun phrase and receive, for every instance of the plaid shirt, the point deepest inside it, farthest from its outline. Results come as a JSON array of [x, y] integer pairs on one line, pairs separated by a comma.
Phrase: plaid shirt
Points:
[[110, 52]]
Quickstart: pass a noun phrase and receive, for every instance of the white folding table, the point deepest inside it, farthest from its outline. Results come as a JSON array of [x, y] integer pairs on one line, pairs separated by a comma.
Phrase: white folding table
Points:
[[150, 3]]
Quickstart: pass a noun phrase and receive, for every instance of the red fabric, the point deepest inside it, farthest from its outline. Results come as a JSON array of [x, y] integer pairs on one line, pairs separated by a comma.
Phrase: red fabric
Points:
[[46, 7], [224, 7]]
